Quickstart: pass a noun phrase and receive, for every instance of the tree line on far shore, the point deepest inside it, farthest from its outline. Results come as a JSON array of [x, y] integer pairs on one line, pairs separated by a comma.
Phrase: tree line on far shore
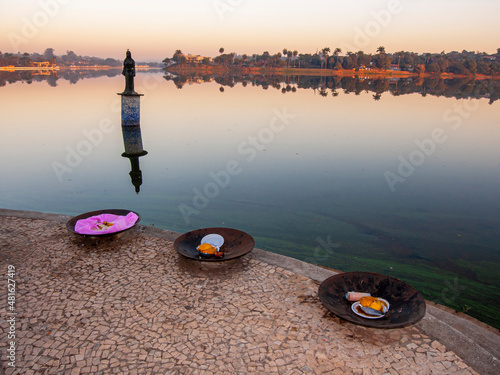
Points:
[[70, 58], [467, 63], [463, 63]]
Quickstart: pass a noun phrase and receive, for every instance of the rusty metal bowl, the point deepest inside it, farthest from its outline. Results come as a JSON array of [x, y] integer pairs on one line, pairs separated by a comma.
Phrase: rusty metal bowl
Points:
[[70, 225], [407, 305], [236, 243]]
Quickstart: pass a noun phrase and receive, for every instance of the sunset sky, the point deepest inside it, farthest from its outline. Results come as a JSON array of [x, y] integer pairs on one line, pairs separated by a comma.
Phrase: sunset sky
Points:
[[154, 29]]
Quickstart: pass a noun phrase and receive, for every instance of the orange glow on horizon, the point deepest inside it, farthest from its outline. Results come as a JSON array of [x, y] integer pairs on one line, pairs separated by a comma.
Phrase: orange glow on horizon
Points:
[[154, 31]]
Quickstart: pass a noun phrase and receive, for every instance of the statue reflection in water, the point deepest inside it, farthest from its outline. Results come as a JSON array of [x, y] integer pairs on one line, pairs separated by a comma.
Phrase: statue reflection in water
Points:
[[132, 139]]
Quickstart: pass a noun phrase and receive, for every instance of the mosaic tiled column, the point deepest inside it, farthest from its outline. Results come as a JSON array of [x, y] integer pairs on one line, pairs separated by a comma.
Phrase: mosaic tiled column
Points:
[[131, 109]]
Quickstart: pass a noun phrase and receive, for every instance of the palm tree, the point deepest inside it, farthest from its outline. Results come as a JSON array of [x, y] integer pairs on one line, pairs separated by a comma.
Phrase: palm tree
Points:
[[221, 51], [399, 59], [265, 57], [295, 53], [277, 57], [285, 53], [325, 52], [336, 54], [383, 61], [177, 56]]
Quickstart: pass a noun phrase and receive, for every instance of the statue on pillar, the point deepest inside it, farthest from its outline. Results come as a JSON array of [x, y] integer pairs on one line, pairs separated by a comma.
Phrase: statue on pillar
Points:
[[129, 73]]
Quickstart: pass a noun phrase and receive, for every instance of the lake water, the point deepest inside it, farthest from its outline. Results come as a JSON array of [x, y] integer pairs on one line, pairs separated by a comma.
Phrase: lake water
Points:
[[344, 174]]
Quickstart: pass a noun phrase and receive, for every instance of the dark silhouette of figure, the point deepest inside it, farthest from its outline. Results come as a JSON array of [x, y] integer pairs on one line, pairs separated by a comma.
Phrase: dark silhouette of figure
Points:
[[136, 173], [129, 73], [132, 140]]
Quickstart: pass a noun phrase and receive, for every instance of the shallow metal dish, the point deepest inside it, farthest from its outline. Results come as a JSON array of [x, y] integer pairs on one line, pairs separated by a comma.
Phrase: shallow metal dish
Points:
[[407, 305], [70, 225], [236, 243]]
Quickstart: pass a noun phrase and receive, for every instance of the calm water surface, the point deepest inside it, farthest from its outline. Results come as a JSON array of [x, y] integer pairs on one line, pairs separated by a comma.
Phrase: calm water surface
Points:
[[406, 185]]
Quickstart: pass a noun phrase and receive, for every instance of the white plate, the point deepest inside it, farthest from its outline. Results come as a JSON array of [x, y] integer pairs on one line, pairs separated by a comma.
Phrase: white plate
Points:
[[361, 313], [216, 240]]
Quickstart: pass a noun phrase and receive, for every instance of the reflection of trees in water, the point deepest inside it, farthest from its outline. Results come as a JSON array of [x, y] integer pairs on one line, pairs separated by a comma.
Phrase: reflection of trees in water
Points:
[[225, 81], [460, 88], [73, 76], [179, 81], [52, 76]]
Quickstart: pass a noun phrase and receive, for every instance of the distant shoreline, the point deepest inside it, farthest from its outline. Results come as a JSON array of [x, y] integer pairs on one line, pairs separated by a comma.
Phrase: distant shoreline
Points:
[[204, 69], [210, 69], [57, 68]]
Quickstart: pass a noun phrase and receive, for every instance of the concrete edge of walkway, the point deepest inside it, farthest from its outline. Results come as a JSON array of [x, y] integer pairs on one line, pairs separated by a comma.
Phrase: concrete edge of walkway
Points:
[[475, 342]]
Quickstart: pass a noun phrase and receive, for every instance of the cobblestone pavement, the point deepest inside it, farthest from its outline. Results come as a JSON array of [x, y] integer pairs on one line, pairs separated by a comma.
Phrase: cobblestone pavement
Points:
[[130, 304]]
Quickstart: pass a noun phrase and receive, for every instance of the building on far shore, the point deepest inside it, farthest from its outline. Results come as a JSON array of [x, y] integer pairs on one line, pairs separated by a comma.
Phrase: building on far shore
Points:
[[196, 59]]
